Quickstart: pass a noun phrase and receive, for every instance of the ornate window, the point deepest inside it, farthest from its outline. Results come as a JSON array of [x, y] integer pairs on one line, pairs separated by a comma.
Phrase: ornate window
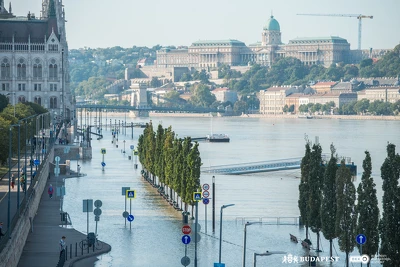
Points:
[[21, 99], [5, 69], [37, 69], [38, 100], [53, 70], [53, 102], [21, 69], [37, 87]]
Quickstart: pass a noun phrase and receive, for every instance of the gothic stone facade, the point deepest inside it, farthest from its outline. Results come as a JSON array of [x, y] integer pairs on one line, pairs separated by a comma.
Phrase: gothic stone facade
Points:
[[33, 58]]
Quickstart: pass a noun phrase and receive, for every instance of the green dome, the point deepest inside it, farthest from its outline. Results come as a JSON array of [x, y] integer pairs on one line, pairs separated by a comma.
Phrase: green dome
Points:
[[272, 25]]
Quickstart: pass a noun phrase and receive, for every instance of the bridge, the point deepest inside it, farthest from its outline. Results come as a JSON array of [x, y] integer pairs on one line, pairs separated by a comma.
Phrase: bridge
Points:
[[270, 166], [254, 167]]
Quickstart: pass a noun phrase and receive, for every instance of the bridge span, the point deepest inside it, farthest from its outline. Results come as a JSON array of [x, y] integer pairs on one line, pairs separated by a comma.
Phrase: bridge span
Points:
[[254, 167]]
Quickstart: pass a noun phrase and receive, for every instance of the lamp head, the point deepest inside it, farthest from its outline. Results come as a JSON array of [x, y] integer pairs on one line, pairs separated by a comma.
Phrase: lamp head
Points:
[[228, 205]]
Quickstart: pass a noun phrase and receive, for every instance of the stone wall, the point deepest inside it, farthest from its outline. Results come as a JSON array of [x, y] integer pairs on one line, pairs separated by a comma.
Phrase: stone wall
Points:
[[13, 250]]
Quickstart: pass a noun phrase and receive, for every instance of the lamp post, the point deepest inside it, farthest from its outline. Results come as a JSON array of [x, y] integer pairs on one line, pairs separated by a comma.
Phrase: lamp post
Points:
[[124, 146], [9, 180], [13, 100], [26, 138], [244, 240], [220, 230], [267, 253]]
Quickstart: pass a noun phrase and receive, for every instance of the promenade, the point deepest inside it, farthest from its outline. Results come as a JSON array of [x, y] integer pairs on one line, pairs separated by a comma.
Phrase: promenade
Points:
[[42, 246]]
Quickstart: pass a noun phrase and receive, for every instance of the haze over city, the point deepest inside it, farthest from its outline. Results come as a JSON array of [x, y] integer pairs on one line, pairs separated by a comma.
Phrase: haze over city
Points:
[[147, 23]]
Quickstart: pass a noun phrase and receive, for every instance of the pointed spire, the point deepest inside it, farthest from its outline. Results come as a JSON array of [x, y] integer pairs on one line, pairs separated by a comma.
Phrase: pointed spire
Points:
[[52, 9], [10, 9]]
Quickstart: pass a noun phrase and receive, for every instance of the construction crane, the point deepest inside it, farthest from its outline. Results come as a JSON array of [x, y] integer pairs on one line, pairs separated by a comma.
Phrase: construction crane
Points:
[[358, 16]]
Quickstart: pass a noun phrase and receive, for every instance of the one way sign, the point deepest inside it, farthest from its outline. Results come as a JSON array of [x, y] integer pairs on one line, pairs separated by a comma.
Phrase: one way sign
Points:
[[130, 194]]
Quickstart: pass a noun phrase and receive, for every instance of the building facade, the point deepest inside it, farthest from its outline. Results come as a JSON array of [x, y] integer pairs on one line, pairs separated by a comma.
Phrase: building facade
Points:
[[385, 93], [211, 54], [34, 58]]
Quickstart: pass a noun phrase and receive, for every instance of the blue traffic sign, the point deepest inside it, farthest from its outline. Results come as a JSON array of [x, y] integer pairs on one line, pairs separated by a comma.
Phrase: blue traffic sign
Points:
[[130, 218], [206, 201], [132, 146], [103, 164], [361, 239], [185, 239], [36, 162], [216, 264]]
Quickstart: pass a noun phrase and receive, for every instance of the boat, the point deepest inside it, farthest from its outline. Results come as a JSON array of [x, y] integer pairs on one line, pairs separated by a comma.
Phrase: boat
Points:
[[305, 117], [218, 138]]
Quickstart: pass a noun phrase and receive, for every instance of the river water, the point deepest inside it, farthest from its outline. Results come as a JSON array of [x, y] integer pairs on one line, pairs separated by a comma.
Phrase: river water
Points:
[[155, 235]]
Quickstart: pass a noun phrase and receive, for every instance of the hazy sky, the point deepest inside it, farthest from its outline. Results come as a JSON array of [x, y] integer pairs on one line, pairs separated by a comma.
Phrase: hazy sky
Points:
[[100, 23]]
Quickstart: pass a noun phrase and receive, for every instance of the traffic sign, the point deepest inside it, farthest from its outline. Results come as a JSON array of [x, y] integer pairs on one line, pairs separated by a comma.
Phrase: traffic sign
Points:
[[216, 264], [98, 203], [185, 261], [103, 151], [130, 218], [198, 226], [206, 187], [124, 190], [132, 146], [185, 239], [103, 164], [36, 162], [206, 194], [57, 159], [87, 205], [361, 239], [198, 237], [186, 229], [97, 211], [206, 201], [130, 194], [196, 196], [125, 214]]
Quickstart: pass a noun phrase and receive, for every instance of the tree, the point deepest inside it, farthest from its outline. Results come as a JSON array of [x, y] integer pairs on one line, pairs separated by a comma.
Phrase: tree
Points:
[[389, 227], [315, 180], [346, 216], [155, 82], [240, 107], [304, 187], [193, 161], [367, 210], [361, 106], [3, 102], [328, 205], [202, 97]]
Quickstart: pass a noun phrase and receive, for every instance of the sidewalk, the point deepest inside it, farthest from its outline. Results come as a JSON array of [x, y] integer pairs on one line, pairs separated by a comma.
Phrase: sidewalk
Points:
[[42, 245]]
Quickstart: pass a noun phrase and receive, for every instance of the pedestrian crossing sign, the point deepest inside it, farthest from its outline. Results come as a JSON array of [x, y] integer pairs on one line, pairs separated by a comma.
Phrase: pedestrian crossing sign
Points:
[[196, 196], [130, 194]]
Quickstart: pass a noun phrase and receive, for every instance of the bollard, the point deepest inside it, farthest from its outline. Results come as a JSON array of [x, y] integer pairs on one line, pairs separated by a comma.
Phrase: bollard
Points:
[[129, 157], [70, 251], [76, 249], [31, 221], [116, 146], [66, 253]]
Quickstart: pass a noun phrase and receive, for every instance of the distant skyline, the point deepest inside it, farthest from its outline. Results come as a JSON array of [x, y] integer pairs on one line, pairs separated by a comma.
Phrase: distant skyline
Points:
[[125, 23]]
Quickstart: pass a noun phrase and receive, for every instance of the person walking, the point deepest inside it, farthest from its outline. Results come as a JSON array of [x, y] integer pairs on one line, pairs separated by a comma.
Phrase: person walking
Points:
[[62, 245], [22, 182], [50, 191], [12, 181], [1, 230]]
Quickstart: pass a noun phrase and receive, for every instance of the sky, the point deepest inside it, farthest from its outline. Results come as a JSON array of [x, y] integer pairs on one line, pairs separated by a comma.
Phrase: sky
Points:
[[127, 23]]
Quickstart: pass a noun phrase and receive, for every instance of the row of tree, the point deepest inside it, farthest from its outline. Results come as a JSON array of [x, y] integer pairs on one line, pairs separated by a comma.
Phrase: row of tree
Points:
[[175, 161], [327, 203], [364, 106], [7, 118]]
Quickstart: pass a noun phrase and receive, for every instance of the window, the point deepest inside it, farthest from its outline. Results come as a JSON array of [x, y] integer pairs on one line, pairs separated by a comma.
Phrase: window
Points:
[[38, 100], [37, 87], [53, 47], [5, 86], [5, 69], [53, 102], [37, 70], [53, 87], [21, 87], [21, 69], [53, 70], [21, 99]]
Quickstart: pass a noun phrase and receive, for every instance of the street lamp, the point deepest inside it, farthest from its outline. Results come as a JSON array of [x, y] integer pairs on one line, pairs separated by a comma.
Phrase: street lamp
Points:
[[220, 229], [124, 146], [13, 100], [244, 240], [9, 181], [267, 253]]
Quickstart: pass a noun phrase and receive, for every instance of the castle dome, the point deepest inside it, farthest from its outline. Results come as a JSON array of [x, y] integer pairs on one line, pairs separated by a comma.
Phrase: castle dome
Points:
[[272, 25]]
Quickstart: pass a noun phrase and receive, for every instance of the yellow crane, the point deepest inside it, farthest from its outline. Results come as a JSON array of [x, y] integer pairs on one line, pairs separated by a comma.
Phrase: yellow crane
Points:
[[358, 16]]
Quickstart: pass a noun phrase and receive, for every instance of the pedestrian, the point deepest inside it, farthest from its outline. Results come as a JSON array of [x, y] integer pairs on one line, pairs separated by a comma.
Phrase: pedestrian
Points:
[[50, 191], [12, 181], [62, 245], [22, 182], [33, 175], [1, 230]]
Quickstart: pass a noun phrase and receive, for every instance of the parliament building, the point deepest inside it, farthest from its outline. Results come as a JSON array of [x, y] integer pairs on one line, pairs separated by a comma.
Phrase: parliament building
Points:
[[33, 58], [209, 54]]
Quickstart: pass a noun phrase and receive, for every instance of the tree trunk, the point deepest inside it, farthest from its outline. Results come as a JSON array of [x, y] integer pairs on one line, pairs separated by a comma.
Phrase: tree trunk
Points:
[[330, 248], [318, 242], [347, 259], [306, 231]]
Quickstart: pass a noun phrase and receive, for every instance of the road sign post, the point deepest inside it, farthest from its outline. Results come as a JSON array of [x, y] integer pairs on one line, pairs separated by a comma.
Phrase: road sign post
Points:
[[361, 239], [130, 194], [124, 189], [88, 207], [103, 152]]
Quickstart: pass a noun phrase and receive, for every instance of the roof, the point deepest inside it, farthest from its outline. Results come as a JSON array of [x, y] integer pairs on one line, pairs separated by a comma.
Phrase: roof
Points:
[[37, 29], [329, 39], [295, 95], [278, 88], [324, 84], [223, 89], [343, 86], [229, 42], [272, 25]]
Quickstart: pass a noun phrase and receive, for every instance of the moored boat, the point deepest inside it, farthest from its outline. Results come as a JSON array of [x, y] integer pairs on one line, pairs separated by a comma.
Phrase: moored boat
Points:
[[218, 138]]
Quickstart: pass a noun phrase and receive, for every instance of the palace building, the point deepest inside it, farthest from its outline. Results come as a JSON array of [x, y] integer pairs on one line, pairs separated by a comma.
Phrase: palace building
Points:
[[209, 54], [34, 58]]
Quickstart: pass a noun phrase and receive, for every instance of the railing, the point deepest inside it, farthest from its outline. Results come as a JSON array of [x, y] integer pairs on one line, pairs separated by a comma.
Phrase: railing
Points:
[[270, 220]]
